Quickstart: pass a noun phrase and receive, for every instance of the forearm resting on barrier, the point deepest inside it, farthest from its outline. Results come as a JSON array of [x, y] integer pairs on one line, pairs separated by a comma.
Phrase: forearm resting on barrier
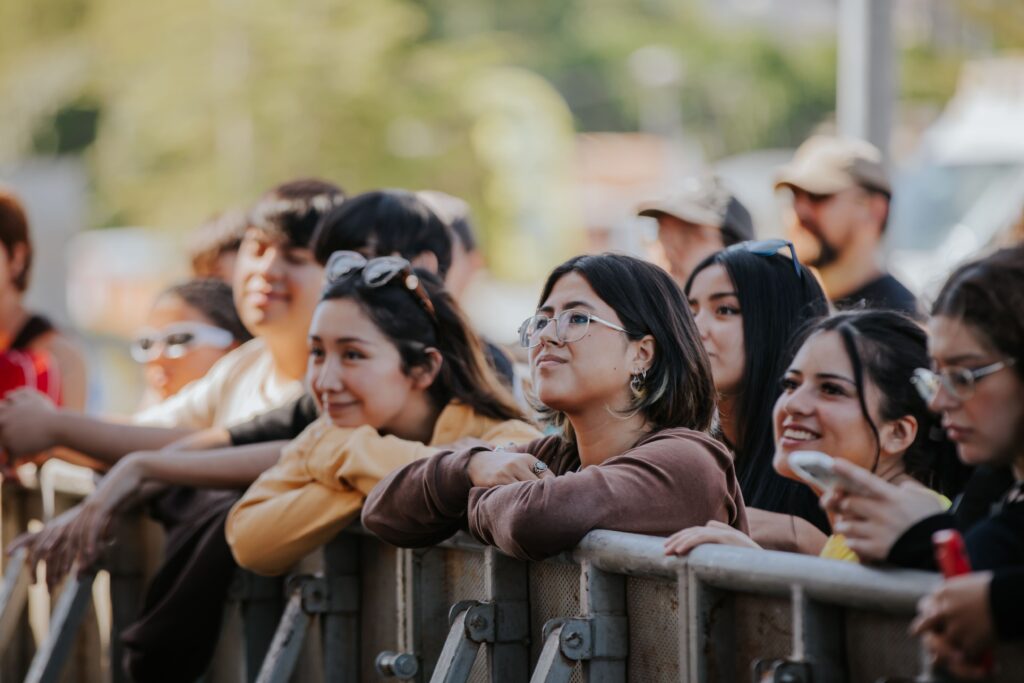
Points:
[[285, 516], [29, 425], [223, 468]]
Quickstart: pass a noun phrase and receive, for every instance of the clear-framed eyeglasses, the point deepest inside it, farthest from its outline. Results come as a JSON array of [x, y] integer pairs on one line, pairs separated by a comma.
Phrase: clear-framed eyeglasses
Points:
[[570, 326], [959, 382]]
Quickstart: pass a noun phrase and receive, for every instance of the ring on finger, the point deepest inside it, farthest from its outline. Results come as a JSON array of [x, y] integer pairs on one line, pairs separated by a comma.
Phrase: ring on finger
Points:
[[539, 467]]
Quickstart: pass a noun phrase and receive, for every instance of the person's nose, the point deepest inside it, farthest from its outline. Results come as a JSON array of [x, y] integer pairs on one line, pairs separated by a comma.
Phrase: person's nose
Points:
[[701, 320], [330, 376], [943, 400], [272, 262], [798, 401], [549, 334]]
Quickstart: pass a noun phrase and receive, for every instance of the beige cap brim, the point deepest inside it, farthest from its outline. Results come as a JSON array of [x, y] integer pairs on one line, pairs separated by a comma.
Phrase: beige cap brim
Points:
[[815, 181], [690, 214]]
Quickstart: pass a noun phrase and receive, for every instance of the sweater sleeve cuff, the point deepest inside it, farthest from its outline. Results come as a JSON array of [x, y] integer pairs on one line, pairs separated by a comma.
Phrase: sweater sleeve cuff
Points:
[[1006, 598], [452, 480], [914, 548]]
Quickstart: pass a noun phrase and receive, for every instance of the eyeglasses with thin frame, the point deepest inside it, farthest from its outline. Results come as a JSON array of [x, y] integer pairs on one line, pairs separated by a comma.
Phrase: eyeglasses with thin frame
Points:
[[378, 272], [959, 382], [177, 339], [570, 326], [770, 248]]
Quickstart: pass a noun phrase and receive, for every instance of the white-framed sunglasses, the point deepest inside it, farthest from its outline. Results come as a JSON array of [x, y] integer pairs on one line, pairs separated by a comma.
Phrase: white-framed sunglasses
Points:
[[177, 339]]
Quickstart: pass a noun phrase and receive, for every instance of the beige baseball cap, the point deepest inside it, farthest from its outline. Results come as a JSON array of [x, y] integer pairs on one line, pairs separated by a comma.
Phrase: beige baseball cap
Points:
[[704, 200], [826, 165]]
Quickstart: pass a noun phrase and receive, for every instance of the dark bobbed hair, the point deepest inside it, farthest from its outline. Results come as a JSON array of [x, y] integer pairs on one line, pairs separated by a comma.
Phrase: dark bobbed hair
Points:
[[14, 231], [465, 374], [211, 297], [886, 347], [776, 302], [292, 210], [382, 223], [679, 391], [988, 294]]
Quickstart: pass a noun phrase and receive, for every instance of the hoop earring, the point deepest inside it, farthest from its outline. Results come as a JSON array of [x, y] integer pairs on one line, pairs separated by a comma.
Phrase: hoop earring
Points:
[[637, 381]]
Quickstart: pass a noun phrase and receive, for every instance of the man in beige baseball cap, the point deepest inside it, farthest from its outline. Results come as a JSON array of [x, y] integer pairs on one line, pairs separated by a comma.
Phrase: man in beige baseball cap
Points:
[[841, 194], [700, 218]]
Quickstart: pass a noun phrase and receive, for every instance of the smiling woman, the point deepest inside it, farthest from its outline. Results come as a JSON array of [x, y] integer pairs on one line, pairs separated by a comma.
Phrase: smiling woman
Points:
[[619, 372], [397, 373]]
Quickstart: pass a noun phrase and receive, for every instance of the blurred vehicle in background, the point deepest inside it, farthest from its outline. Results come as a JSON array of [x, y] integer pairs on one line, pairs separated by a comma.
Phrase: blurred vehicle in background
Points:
[[963, 190]]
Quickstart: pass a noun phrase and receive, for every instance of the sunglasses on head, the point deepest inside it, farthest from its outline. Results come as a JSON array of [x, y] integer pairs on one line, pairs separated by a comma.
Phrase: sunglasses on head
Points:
[[377, 272], [177, 339], [770, 248]]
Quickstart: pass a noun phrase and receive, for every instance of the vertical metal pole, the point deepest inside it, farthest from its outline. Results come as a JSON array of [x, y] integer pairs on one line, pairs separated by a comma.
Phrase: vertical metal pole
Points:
[[712, 618], [819, 637], [261, 603], [127, 584], [603, 596], [866, 78], [507, 586], [340, 624]]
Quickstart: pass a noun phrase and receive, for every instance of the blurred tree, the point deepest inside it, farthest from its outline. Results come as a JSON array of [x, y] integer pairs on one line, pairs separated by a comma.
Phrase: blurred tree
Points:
[[199, 104]]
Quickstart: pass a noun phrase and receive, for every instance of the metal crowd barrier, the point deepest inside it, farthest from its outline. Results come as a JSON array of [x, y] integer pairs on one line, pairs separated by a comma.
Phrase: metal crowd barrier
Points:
[[613, 609]]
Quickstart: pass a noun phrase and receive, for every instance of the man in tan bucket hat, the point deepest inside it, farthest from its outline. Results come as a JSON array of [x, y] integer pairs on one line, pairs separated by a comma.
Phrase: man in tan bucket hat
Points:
[[841, 194], [700, 218]]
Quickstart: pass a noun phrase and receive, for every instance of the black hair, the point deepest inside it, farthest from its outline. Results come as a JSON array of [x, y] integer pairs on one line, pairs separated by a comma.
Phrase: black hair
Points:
[[465, 374], [383, 223], [678, 389], [776, 300], [212, 298], [293, 210], [988, 294], [737, 225], [886, 347]]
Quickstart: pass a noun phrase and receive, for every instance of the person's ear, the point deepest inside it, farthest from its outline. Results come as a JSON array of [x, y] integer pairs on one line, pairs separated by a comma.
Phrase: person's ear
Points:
[[643, 353], [878, 208], [897, 435], [427, 260], [18, 258], [423, 375]]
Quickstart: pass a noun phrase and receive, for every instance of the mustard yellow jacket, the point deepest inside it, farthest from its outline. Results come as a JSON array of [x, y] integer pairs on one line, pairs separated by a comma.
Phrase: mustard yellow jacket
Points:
[[318, 486]]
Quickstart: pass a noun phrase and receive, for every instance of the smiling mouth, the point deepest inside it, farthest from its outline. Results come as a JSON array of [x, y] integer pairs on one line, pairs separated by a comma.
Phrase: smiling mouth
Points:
[[799, 434]]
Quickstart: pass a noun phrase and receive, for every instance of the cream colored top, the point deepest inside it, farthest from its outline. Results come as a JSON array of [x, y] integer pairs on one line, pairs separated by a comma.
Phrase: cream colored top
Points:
[[238, 387]]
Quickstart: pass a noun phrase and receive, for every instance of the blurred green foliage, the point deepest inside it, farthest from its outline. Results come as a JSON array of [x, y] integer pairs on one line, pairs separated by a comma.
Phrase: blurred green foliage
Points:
[[195, 105]]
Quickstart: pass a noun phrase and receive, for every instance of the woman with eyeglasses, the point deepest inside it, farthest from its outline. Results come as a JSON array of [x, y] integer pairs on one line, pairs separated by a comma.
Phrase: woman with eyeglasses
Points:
[[976, 383], [190, 327], [748, 301], [619, 372], [398, 373], [847, 393]]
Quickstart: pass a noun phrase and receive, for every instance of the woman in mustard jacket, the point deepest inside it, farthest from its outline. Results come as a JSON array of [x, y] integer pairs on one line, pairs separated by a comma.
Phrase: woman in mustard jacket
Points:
[[398, 374]]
